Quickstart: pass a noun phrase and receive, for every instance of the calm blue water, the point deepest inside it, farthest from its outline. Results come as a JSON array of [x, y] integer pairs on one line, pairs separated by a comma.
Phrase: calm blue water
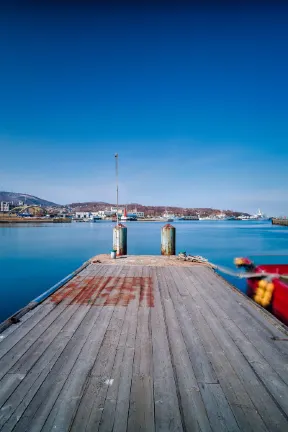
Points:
[[33, 258]]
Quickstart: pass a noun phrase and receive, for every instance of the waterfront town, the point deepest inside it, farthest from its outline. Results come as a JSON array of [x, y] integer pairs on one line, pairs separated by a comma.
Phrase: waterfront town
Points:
[[40, 210]]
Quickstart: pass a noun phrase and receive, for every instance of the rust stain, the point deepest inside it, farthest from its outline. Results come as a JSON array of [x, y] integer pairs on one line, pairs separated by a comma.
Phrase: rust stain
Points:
[[107, 291]]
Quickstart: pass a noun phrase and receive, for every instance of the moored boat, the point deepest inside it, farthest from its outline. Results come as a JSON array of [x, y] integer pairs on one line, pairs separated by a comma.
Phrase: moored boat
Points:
[[167, 217], [270, 289], [188, 218]]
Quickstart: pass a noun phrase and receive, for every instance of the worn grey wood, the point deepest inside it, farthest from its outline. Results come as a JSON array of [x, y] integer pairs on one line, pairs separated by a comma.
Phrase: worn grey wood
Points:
[[19, 342], [7, 343], [117, 376], [46, 359], [190, 362], [58, 412], [51, 367], [125, 377], [193, 409], [202, 367], [257, 329], [272, 415], [212, 393], [167, 411], [218, 408], [13, 327], [232, 386], [89, 411], [141, 409], [252, 367]]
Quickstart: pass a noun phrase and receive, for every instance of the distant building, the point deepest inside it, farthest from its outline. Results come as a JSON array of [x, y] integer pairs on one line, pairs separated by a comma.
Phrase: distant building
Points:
[[130, 212], [82, 215], [106, 213], [139, 214], [114, 210], [4, 206]]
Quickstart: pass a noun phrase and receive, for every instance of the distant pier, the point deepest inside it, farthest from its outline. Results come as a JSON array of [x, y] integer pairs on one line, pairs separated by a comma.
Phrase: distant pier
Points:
[[283, 222], [144, 343]]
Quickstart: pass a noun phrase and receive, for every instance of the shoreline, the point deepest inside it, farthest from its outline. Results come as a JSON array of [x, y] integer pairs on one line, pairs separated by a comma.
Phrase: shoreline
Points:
[[17, 221]]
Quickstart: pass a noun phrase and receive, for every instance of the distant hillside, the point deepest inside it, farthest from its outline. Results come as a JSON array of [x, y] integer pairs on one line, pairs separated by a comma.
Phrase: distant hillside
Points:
[[27, 199], [152, 210], [100, 205]]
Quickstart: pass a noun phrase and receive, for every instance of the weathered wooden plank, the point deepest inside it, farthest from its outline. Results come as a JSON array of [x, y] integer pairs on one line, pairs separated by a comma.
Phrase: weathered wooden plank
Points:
[[272, 416], [42, 404], [218, 408], [141, 409], [192, 406], [119, 373], [28, 321], [256, 327], [212, 394], [167, 412], [32, 398], [11, 329], [184, 364], [24, 328], [200, 362], [110, 404], [90, 409], [45, 359], [41, 368], [8, 384], [264, 374], [47, 329], [260, 327], [59, 410], [126, 371], [232, 386]]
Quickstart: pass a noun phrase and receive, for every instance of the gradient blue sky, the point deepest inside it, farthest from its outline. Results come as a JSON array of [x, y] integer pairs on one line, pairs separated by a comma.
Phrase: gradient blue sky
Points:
[[194, 100]]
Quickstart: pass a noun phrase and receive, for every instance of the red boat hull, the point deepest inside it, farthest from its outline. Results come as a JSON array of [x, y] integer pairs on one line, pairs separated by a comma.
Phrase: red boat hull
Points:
[[279, 303]]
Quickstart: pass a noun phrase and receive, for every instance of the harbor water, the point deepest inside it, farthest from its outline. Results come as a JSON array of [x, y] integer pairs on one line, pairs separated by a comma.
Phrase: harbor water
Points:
[[35, 257]]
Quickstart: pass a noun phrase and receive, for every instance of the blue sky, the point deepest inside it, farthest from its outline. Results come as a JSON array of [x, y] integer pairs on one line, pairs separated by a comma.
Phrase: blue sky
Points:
[[194, 100]]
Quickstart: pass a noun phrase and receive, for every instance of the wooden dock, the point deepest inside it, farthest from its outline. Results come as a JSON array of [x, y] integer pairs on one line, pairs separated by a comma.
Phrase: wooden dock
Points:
[[144, 344], [283, 222]]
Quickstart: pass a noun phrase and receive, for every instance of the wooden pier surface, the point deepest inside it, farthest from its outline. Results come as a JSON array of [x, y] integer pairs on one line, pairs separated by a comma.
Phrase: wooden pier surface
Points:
[[150, 347], [283, 222]]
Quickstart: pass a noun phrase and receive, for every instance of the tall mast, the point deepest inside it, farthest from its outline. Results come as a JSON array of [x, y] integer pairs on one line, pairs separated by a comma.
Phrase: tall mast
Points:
[[116, 160]]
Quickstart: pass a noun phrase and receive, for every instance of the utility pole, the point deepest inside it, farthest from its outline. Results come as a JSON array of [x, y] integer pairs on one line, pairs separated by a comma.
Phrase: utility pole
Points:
[[116, 160]]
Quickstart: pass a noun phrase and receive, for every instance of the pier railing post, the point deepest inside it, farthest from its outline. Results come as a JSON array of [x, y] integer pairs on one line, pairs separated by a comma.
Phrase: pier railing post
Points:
[[168, 240], [120, 239]]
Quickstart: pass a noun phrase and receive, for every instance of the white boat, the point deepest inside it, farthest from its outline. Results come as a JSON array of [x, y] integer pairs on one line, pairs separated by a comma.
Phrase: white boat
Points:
[[208, 218], [259, 216], [188, 218], [167, 217]]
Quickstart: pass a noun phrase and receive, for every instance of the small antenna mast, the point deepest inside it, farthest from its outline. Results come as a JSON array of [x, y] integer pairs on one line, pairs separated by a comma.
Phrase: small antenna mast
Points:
[[116, 160]]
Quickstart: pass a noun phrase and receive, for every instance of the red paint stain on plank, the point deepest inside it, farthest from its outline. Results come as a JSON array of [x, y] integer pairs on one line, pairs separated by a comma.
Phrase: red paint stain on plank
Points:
[[106, 291]]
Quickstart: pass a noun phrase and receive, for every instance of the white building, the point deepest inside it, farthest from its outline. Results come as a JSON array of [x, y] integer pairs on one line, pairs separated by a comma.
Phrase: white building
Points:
[[4, 206], [114, 210], [139, 214], [82, 215], [105, 213]]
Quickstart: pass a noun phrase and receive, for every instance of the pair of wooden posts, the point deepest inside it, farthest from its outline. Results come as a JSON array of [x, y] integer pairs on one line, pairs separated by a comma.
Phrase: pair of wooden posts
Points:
[[168, 240]]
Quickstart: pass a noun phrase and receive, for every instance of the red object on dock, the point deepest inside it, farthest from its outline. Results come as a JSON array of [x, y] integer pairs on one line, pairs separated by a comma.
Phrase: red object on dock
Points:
[[279, 302]]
